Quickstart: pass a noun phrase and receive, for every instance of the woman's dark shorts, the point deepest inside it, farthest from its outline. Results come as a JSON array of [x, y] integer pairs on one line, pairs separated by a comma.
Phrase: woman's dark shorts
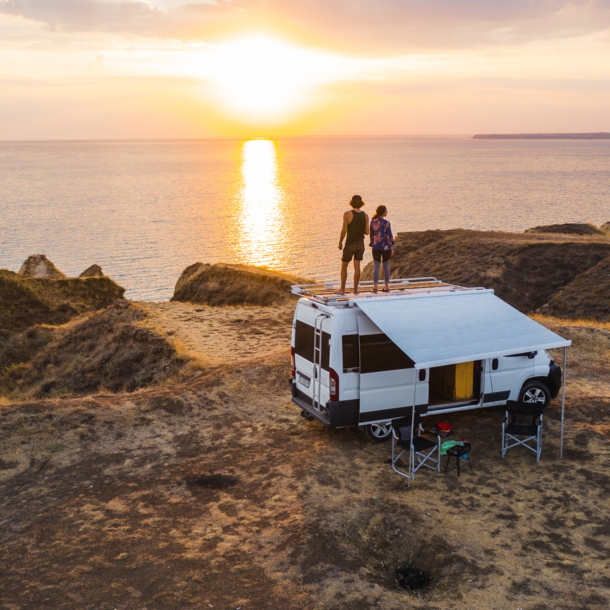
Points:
[[378, 255], [353, 249]]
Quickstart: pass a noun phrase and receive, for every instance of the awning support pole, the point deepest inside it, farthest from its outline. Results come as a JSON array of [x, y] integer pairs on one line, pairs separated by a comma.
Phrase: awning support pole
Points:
[[563, 399], [411, 452]]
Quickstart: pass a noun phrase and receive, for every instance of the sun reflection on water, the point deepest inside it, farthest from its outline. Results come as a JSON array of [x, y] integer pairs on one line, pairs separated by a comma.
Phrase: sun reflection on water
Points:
[[262, 205]]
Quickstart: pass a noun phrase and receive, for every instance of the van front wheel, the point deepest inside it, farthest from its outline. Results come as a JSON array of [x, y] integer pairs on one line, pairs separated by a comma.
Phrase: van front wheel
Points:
[[535, 395], [378, 433]]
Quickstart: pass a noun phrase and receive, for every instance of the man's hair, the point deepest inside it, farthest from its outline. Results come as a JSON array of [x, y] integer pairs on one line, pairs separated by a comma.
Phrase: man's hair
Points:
[[356, 202]]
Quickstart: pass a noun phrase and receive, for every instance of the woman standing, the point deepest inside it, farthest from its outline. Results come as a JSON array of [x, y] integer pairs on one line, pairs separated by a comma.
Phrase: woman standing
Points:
[[382, 242]]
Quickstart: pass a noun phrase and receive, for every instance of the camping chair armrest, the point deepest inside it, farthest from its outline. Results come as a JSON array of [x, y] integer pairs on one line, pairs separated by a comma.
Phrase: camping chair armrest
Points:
[[422, 430]]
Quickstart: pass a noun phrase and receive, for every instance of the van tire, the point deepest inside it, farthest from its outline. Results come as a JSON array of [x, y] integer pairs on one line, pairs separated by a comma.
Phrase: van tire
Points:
[[534, 394], [378, 433]]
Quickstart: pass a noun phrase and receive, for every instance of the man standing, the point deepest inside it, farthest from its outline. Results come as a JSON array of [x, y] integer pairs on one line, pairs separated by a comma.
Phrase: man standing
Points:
[[355, 227]]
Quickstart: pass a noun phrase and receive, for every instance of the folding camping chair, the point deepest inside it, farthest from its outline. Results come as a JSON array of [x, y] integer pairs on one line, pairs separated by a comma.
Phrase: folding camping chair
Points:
[[519, 430], [427, 451]]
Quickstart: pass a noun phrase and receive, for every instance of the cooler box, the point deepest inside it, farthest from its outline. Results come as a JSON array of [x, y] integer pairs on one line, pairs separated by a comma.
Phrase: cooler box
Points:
[[455, 381]]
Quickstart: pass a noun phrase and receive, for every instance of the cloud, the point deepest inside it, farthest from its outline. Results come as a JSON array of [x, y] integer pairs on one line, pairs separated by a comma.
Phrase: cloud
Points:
[[122, 17], [365, 25]]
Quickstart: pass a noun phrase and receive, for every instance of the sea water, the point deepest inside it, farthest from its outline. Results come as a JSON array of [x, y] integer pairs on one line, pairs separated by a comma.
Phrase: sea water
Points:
[[145, 210]]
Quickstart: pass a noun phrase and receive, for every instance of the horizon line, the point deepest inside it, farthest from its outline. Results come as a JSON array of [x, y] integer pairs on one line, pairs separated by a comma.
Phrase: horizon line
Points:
[[257, 137]]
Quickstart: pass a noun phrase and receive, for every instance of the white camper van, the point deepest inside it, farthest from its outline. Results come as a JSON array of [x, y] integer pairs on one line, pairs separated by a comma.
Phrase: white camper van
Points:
[[365, 360]]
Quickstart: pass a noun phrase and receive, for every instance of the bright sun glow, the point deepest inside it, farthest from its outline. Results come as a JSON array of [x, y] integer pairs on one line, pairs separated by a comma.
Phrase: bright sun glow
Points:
[[261, 77]]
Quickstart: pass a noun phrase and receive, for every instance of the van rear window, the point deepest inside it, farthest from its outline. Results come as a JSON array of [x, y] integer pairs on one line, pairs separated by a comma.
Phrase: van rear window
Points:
[[378, 353], [304, 342]]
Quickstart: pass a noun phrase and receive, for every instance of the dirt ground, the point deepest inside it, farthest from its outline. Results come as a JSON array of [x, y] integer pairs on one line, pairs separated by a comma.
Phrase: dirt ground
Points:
[[222, 335], [215, 493]]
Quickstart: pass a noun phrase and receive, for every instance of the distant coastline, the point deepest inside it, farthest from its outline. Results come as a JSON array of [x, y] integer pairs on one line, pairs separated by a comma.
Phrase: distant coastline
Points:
[[542, 136]]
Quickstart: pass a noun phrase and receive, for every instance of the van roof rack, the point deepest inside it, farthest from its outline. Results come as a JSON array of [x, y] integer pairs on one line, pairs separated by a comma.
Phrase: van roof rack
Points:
[[325, 292]]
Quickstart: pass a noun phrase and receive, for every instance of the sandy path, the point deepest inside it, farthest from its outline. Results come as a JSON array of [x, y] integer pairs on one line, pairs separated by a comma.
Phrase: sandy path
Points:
[[224, 334]]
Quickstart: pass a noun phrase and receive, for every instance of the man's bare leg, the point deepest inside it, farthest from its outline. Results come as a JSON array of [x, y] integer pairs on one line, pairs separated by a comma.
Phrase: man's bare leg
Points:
[[343, 278], [356, 275]]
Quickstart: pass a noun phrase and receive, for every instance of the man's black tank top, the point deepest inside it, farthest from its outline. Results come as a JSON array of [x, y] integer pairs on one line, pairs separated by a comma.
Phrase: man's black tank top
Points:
[[355, 229]]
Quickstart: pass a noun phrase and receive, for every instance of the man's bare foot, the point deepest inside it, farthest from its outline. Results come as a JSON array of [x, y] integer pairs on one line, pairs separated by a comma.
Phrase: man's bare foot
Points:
[[356, 293], [341, 293]]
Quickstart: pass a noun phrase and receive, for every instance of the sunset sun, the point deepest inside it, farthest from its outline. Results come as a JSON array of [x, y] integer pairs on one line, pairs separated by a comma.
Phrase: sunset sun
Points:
[[261, 77]]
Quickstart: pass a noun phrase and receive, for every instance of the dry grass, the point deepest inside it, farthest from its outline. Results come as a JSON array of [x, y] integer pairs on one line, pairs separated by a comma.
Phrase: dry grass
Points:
[[587, 296], [101, 508]]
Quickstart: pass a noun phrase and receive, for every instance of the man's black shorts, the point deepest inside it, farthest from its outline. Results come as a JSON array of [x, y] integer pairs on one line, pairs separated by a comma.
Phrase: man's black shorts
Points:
[[354, 249]]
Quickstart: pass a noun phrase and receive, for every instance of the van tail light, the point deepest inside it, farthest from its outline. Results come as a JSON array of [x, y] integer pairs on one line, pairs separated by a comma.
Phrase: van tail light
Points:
[[293, 368], [333, 384]]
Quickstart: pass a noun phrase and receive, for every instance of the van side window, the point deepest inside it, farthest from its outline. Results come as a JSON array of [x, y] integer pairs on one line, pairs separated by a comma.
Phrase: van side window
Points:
[[351, 355], [378, 353], [304, 340]]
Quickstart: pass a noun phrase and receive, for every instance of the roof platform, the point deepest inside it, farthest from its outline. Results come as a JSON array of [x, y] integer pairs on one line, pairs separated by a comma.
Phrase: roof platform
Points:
[[326, 292]]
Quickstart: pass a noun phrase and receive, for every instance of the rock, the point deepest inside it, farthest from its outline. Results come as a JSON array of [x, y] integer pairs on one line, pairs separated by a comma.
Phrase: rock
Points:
[[40, 267], [570, 228], [606, 228], [93, 271]]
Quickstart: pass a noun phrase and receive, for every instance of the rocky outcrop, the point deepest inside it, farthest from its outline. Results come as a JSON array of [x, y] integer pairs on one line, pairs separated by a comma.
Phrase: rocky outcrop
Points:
[[93, 271], [606, 228], [40, 267], [221, 284], [568, 228], [527, 270]]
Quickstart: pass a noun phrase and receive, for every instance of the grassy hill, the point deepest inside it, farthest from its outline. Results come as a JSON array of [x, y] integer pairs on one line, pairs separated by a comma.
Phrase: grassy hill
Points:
[[528, 270], [26, 301], [222, 284], [108, 350]]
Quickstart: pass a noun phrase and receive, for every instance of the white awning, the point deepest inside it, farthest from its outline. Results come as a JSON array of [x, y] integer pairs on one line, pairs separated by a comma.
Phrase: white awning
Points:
[[435, 330]]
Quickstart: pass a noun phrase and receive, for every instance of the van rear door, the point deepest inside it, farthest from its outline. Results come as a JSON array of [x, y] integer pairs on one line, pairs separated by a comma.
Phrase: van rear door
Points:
[[387, 376], [311, 354]]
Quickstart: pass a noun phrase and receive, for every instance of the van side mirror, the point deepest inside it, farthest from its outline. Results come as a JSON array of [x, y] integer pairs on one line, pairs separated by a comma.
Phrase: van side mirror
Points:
[[494, 364]]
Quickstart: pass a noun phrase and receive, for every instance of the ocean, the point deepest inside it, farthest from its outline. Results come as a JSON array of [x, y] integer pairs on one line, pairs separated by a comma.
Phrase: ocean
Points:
[[145, 210]]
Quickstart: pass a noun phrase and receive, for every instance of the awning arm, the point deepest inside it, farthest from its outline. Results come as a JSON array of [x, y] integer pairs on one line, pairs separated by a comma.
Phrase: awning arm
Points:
[[563, 399]]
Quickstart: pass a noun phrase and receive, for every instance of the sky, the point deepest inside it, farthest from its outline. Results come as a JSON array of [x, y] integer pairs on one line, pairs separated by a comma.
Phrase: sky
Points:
[[89, 69]]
